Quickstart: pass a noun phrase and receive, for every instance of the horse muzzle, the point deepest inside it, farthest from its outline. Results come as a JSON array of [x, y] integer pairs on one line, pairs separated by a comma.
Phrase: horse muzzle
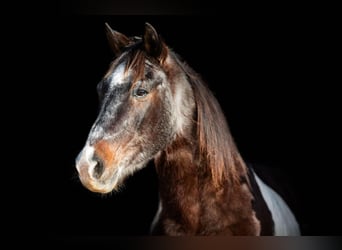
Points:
[[93, 172]]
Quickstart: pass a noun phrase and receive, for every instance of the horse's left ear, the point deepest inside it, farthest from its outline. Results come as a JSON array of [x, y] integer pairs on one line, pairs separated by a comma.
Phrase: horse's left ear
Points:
[[153, 44], [116, 40]]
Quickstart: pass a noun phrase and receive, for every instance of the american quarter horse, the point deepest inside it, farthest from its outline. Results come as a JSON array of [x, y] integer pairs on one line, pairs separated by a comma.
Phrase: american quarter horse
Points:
[[153, 106]]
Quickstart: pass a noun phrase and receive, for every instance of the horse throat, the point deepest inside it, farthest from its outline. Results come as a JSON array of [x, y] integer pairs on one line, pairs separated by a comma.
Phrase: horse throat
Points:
[[190, 203]]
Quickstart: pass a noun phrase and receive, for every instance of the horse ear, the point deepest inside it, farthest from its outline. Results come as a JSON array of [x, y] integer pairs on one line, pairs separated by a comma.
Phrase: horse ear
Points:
[[153, 44], [116, 40]]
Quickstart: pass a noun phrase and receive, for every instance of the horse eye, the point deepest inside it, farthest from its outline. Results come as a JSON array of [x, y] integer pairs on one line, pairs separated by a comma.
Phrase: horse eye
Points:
[[140, 92]]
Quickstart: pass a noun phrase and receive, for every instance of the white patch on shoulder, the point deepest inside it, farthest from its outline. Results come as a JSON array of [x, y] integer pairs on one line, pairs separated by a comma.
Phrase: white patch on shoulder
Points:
[[285, 223], [117, 76]]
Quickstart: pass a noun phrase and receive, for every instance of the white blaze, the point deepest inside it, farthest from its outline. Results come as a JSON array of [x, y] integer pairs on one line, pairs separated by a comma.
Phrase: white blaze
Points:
[[117, 76]]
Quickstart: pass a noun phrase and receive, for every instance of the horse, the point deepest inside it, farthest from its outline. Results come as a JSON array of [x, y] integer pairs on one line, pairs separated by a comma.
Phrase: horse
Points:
[[154, 107]]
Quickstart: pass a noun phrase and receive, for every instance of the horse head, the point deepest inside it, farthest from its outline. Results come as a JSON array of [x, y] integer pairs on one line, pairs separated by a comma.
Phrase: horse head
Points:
[[141, 110]]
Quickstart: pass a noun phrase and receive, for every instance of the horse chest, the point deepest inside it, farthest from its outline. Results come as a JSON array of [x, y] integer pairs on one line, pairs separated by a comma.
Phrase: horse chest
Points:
[[207, 213]]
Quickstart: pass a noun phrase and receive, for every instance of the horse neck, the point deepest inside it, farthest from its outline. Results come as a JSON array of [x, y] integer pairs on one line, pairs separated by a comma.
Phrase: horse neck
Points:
[[195, 185], [196, 109], [180, 167]]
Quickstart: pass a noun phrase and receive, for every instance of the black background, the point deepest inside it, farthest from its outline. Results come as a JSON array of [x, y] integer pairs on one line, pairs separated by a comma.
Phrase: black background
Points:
[[270, 71]]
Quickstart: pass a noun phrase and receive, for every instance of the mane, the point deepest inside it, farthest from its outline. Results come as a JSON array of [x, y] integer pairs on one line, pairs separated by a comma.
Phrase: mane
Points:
[[216, 145]]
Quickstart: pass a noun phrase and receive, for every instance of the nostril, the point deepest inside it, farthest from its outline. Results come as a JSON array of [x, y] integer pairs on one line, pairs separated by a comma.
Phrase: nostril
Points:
[[98, 170]]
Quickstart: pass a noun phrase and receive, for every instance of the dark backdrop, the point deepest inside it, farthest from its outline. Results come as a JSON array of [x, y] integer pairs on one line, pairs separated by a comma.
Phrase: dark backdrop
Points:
[[268, 72]]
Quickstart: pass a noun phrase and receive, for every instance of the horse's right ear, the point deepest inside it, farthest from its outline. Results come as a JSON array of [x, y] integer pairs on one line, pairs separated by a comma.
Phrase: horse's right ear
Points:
[[117, 41], [153, 43]]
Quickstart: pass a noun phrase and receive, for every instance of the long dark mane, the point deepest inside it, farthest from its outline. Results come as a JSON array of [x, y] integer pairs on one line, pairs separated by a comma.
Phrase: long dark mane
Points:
[[216, 144]]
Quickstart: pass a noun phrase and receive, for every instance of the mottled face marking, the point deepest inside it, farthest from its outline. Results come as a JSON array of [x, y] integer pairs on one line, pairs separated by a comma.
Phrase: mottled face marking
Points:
[[136, 120]]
